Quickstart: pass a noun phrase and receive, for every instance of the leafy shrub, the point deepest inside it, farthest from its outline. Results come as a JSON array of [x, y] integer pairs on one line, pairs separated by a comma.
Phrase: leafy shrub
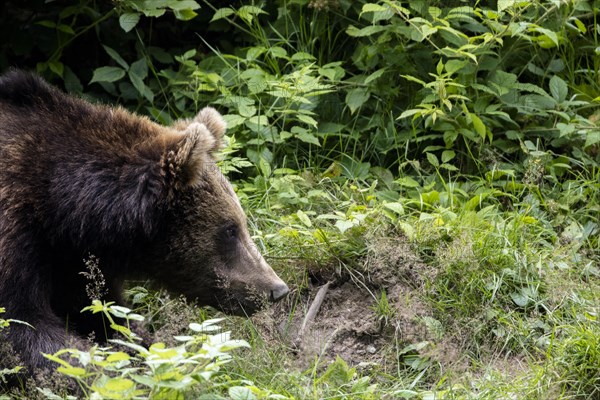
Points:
[[157, 371]]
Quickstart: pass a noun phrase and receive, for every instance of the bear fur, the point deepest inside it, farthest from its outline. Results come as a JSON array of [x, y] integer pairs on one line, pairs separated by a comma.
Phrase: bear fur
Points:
[[147, 201]]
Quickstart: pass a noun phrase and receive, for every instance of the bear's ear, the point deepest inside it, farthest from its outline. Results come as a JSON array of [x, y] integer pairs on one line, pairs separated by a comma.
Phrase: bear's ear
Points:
[[215, 124], [189, 148], [187, 158], [211, 119]]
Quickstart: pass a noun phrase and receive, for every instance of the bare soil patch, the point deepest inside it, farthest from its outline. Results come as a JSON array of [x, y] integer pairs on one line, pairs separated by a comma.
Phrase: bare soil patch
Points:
[[347, 323]]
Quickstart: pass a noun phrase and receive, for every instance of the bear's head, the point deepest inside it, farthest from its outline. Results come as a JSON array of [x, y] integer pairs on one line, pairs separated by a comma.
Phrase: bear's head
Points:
[[204, 249]]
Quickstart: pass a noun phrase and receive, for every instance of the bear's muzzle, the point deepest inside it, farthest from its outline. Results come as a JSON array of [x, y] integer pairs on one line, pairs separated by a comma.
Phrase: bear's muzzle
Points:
[[279, 292]]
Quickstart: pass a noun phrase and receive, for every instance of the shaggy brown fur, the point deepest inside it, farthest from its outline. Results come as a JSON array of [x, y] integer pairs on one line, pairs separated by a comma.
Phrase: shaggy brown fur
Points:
[[148, 201]]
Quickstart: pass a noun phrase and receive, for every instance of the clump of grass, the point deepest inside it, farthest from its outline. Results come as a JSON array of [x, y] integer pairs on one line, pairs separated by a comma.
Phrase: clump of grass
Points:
[[578, 361]]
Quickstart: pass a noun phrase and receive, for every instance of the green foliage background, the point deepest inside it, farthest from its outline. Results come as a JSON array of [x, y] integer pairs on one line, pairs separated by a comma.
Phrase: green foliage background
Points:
[[501, 91], [458, 124], [310, 83]]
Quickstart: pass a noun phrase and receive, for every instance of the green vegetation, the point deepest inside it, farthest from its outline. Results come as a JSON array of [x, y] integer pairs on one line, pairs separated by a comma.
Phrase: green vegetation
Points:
[[437, 162]]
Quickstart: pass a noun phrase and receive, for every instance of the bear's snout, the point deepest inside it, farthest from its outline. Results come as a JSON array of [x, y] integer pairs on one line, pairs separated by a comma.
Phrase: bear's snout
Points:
[[279, 292]]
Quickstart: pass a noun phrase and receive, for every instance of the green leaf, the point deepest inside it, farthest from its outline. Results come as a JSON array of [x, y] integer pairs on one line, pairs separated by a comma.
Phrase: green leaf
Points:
[[536, 102], [122, 329], [47, 23], [504, 4], [241, 393], [285, 135], [449, 167], [478, 125], [179, 5], [233, 120], [343, 225], [259, 120], [308, 138], [408, 113], [580, 25], [278, 52], [48, 395], [448, 155], [370, 7], [222, 13], [206, 325], [57, 359], [548, 39], [304, 218], [453, 66], [366, 31], [439, 67], [107, 74], [137, 73], [185, 15], [118, 384], [422, 32], [57, 67], [119, 311], [333, 73], [408, 230], [247, 13], [247, 110], [71, 371], [503, 81], [398, 208], [188, 54], [128, 21], [374, 75], [407, 181], [118, 356], [356, 98], [307, 119], [558, 89], [592, 138], [115, 56], [139, 68], [160, 55], [72, 82], [433, 160], [305, 136], [519, 298], [66, 29], [353, 168], [338, 373], [302, 56], [154, 13], [413, 79]]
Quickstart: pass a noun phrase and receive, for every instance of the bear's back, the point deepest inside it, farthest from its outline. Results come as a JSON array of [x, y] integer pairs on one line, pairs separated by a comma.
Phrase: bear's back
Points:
[[24, 89], [71, 170], [35, 114]]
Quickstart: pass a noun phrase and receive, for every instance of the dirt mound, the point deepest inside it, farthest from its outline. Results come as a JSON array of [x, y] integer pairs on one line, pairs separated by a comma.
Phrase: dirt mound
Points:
[[353, 321]]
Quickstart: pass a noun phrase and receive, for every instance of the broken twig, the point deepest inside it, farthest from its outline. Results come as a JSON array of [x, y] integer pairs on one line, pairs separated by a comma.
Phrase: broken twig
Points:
[[312, 311]]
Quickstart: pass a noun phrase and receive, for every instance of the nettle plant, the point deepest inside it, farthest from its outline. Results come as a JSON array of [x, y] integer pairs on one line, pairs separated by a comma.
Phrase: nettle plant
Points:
[[129, 370], [471, 92]]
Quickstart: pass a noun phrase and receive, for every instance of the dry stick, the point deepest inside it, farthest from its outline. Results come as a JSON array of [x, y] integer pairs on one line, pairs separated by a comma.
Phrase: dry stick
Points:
[[312, 311]]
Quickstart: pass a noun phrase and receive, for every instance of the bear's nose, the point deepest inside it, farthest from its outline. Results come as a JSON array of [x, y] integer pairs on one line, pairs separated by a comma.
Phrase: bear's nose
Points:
[[279, 292]]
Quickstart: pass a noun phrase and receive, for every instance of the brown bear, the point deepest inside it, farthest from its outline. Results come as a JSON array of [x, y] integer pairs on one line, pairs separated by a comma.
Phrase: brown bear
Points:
[[147, 201]]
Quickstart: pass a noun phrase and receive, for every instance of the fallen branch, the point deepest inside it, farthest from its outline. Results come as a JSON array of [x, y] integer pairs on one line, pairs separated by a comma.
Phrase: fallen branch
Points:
[[312, 311]]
